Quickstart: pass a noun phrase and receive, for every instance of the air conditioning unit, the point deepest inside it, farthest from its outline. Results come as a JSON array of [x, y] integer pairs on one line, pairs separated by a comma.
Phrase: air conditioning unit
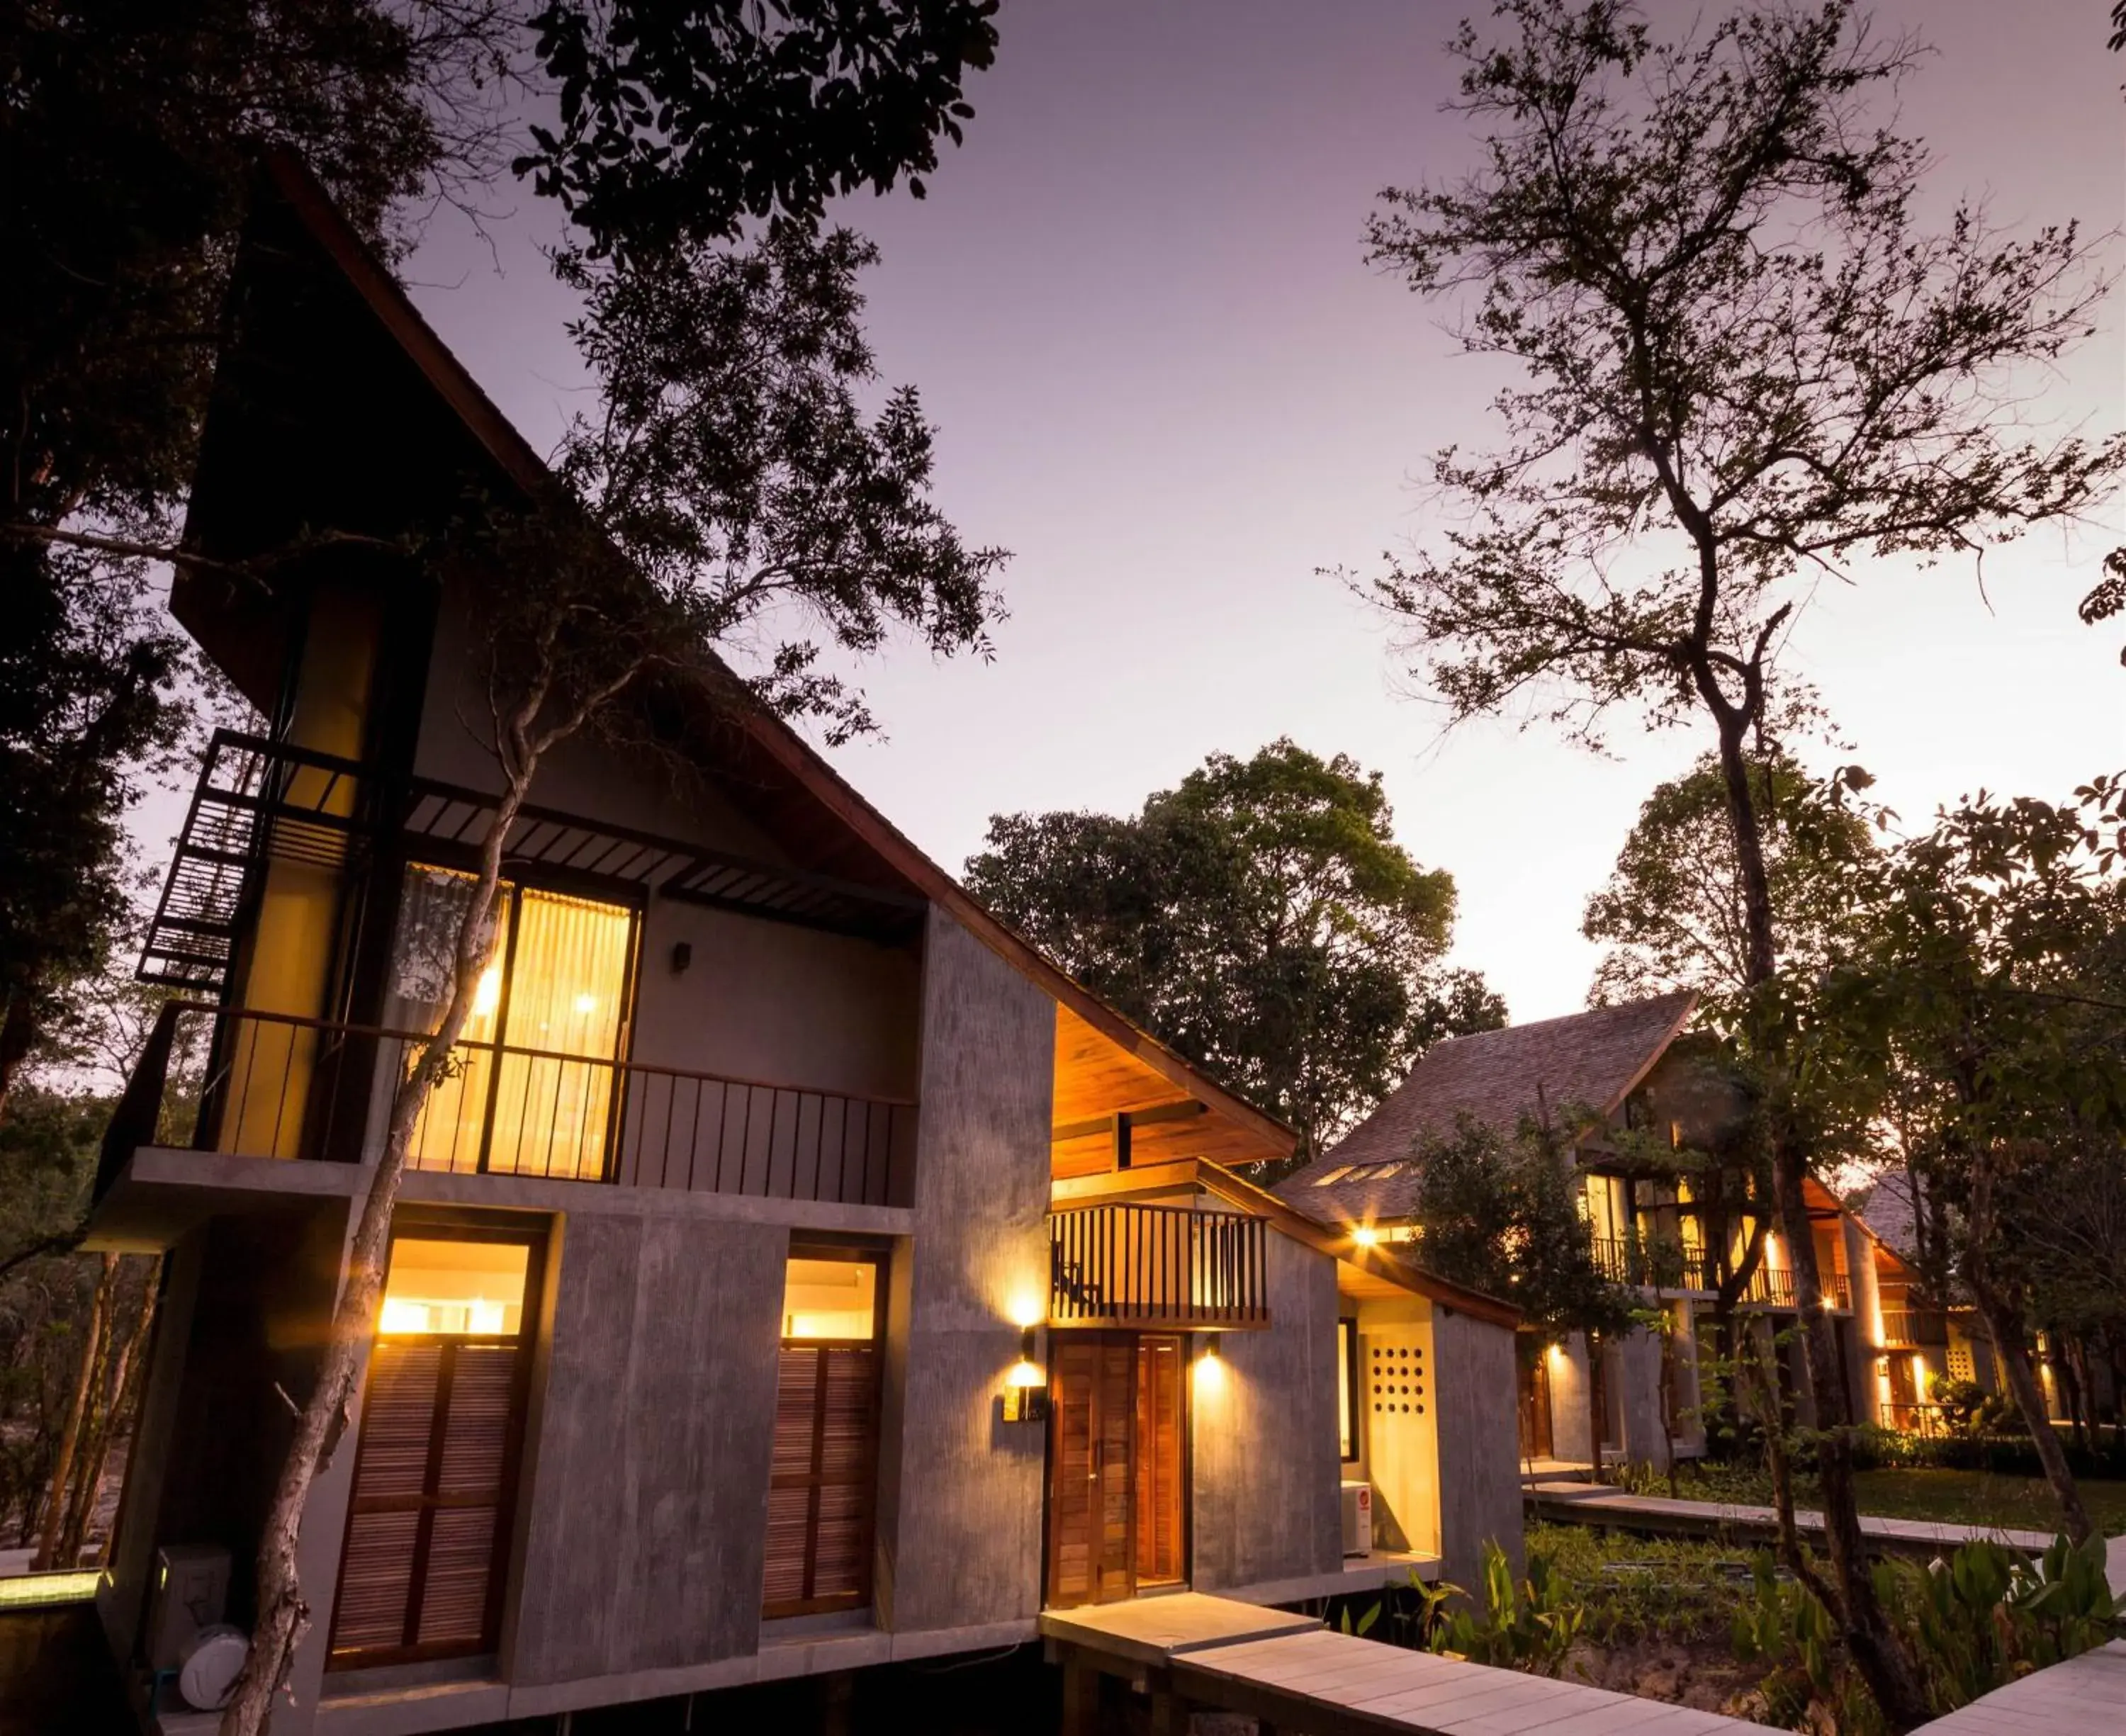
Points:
[[191, 1592], [1358, 1504]]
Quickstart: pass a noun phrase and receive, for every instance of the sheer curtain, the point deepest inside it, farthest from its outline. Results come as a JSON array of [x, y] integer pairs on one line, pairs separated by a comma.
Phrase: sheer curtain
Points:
[[568, 978], [433, 903]]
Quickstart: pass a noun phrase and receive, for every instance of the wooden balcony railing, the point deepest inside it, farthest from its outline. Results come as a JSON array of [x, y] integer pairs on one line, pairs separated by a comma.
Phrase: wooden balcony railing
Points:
[[1776, 1289], [262, 1084], [1157, 1267]]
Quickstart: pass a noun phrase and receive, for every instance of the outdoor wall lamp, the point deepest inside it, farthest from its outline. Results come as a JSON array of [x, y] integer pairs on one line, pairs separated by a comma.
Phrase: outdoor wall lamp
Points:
[[1025, 1385], [1209, 1366], [1364, 1235]]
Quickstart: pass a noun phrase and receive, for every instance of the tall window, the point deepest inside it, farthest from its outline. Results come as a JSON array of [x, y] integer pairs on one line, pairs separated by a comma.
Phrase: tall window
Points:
[[435, 1469], [555, 999], [824, 1471]]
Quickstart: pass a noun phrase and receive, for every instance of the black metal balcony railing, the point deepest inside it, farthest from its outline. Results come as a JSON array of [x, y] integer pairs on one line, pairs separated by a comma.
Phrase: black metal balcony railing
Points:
[[1666, 1265], [1915, 1419], [1157, 1266], [262, 1084], [1914, 1326]]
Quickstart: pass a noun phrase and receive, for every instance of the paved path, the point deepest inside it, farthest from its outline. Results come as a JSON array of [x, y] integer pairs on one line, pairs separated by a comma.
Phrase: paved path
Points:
[[1290, 1671], [1592, 1503], [2084, 1696]]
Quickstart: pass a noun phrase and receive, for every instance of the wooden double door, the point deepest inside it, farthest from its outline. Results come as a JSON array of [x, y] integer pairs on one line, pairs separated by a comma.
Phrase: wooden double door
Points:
[[1118, 1465]]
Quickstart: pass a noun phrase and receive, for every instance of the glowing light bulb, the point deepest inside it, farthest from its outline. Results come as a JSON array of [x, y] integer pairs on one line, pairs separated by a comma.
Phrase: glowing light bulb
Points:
[[586, 1003], [1366, 1236]]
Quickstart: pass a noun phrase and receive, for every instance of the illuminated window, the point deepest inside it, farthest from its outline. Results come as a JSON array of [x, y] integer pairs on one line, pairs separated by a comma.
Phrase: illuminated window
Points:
[[1347, 1389], [830, 1299], [470, 1289], [557, 987]]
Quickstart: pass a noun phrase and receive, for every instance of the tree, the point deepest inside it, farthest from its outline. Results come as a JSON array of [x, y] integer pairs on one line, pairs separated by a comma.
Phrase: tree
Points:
[[1984, 985], [729, 482], [1261, 919], [129, 137], [678, 121], [1745, 364], [1499, 1214], [1672, 914]]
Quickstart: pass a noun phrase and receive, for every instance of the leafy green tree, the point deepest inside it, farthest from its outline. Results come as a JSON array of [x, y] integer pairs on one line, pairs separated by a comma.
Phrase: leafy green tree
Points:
[[1744, 362], [1500, 1214], [1260, 918], [1983, 984], [1672, 914]]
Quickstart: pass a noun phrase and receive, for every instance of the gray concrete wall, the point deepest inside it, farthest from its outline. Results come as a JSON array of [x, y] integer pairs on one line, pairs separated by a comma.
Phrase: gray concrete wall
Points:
[[1266, 1468], [763, 1000], [582, 775], [1480, 1485], [1638, 1367], [648, 1460], [963, 1543], [1571, 1421]]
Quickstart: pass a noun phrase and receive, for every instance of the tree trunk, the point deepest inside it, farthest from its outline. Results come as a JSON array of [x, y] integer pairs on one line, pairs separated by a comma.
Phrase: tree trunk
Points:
[[284, 1614], [18, 1035], [78, 1414], [2009, 1345], [118, 1409], [1876, 1649]]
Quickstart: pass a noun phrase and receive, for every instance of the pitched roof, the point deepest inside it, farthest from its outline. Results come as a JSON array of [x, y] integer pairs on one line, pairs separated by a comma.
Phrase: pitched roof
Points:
[[1890, 1214], [1494, 1077]]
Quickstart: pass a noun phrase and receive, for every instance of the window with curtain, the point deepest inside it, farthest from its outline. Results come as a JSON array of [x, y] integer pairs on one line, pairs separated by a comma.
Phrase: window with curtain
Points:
[[554, 997]]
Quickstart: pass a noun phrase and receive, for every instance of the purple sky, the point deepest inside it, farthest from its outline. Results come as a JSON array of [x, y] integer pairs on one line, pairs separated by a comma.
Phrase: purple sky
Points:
[[1136, 305]]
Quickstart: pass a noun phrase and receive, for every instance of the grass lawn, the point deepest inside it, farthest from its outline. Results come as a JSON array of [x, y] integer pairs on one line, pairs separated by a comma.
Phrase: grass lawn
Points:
[[1955, 1498]]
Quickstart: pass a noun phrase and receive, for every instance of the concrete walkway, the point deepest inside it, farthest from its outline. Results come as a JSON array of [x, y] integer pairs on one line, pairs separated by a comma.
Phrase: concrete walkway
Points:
[[2084, 1696], [1291, 1673], [1591, 1504]]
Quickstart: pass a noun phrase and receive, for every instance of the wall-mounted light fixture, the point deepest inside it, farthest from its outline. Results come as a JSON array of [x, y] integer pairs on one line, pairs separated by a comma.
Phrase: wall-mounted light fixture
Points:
[[682, 956], [1025, 1385], [1209, 1366], [1364, 1235]]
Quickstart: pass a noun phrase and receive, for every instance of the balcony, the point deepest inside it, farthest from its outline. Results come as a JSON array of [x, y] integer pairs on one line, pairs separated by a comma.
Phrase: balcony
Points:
[[1157, 1268], [1653, 1264], [1907, 1328], [258, 1084], [1776, 1289]]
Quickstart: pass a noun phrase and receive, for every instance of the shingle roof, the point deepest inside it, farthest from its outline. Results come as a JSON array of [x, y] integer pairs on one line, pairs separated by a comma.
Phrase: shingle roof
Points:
[[1889, 1213], [1494, 1077]]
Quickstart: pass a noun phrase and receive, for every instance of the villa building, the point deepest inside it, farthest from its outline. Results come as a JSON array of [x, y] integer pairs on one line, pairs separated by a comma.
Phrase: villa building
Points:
[[797, 1272], [1631, 1081]]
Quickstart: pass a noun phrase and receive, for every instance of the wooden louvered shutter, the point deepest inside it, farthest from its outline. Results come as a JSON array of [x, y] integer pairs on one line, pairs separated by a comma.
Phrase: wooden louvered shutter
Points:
[[420, 1577], [822, 1478]]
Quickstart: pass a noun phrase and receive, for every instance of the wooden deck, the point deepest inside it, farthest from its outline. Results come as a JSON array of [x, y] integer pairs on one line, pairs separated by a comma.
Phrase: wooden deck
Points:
[[1291, 1673], [2084, 1696], [1591, 1504]]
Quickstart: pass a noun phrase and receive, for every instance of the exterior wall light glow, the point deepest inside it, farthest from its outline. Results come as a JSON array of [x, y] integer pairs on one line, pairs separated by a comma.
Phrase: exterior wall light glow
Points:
[[1210, 1368], [1025, 1382], [1366, 1236]]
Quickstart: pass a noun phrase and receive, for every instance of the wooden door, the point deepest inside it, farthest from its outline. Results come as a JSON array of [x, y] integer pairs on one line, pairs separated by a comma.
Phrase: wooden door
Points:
[[1536, 1437], [1161, 1539], [1092, 1426], [1117, 1495], [820, 1496]]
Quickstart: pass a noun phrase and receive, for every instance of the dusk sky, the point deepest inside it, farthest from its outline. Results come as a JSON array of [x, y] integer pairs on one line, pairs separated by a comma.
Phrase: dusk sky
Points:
[[1136, 303]]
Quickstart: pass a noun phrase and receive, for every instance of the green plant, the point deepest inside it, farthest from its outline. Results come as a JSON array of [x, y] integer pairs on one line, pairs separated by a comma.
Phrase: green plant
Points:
[[1985, 1616], [1970, 1409], [1364, 1625], [1528, 1625]]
